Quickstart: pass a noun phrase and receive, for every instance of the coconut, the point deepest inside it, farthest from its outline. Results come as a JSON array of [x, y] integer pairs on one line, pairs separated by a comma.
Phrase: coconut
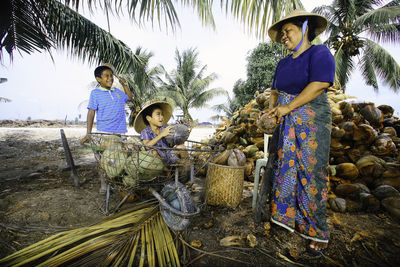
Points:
[[372, 114], [267, 124], [383, 145], [111, 142], [145, 165], [347, 171], [130, 181], [113, 162], [236, 158], [180, 135]]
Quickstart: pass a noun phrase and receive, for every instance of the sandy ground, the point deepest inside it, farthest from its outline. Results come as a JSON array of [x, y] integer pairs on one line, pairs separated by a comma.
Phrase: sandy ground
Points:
[[48, 134], [38, 199]]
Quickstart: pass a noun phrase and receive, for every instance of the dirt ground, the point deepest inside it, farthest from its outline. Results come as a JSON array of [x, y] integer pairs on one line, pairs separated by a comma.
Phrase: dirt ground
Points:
[[38, 199]]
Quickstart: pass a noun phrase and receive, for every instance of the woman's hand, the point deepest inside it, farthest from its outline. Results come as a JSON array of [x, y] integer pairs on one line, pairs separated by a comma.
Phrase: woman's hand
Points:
[[167, 131], [279, 111], [263, 112]]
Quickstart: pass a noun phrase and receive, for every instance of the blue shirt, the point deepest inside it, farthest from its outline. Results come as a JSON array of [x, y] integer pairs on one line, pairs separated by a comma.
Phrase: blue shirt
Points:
[[110, 109], [168, 156], [316, 64]]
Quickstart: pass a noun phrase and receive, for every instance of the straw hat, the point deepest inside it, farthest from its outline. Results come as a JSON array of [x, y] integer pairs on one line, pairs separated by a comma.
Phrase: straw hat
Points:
[[320, 23], [166, 108]]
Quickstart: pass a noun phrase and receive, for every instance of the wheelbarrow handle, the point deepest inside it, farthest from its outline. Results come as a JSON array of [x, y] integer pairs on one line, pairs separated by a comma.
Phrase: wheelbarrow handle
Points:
[[165, 204]]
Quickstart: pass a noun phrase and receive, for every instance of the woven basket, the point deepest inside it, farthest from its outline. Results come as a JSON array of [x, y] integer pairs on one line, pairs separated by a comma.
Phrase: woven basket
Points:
[[224, 185]]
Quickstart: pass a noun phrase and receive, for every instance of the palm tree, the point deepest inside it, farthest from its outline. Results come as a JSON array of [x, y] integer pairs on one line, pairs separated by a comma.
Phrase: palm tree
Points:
[[228, 108], [186, 85], [5, 100], [355, 28], [142, 82], [39, 25]]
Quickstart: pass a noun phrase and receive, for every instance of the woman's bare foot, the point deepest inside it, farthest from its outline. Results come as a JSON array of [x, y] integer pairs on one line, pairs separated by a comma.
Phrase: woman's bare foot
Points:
[[318, 246]]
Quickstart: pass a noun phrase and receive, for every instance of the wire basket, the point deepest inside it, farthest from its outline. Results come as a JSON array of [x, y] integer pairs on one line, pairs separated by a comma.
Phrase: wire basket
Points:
[[131, 165]]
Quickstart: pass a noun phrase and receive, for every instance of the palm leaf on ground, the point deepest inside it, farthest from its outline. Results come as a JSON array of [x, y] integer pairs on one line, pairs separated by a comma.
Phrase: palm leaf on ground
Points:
[[134, 237]]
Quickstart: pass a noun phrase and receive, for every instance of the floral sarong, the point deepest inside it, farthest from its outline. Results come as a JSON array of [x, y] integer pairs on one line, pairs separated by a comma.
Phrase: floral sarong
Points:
[[300, 182]]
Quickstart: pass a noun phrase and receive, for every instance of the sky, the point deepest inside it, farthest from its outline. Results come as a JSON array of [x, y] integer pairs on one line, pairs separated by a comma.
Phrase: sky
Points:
[[44, 89]]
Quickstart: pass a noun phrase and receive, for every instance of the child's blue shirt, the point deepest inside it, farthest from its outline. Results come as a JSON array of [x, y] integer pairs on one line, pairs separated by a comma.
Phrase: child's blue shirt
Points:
[[168, 156], [110, 109]]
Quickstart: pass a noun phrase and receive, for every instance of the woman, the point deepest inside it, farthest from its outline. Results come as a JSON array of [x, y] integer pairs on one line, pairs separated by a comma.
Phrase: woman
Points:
[[299, 101]]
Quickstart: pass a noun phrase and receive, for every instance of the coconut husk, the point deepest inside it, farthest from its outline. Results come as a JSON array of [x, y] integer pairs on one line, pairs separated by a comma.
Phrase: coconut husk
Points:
[[337, 119], [347, 190], [392, 205], [222, 157], [347, 171], [364, 134], [337, 132], [228, 138], [390, 131], [370, 166], [386, 110], [337, 204], [354, 154], [394, 182], [347, 110], [369, 202], [384, 191], [383, 145], [236, 158], [373, 115], [248, 169], [392, 170]]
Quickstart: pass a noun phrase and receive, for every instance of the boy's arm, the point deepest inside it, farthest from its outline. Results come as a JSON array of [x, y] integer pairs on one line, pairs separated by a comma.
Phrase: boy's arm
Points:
[[167, 131], [89, 126], [126, 88]]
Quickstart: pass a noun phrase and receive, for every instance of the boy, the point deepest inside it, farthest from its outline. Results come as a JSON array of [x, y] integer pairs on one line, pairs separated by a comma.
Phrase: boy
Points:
[[150, 123], [109, 103]]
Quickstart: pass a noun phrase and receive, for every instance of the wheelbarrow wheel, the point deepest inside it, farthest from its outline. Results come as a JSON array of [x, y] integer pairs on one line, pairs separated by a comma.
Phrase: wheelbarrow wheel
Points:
[[178, 197]]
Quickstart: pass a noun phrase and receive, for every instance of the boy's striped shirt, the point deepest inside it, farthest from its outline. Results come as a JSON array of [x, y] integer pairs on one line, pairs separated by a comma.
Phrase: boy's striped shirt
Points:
[[110, 109]]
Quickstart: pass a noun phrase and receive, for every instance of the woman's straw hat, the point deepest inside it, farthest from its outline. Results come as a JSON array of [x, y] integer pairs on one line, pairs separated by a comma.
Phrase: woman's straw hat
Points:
[[320, 23], [166, 108]]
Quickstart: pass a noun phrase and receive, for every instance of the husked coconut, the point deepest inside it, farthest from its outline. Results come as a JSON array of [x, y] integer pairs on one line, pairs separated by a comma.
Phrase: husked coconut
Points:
[[179, 136], [267, 124]]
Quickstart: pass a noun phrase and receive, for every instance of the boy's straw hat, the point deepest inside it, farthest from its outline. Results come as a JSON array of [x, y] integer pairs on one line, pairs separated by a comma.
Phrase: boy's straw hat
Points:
[[320, 23], [166, 108]]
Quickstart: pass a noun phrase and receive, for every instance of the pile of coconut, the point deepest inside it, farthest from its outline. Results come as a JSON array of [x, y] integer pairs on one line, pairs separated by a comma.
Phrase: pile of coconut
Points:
[[127, 162], [364, 156]]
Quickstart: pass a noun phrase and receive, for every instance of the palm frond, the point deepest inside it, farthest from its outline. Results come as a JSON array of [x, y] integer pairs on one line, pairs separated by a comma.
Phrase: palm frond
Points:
[[121, 240], [204, 97], [153, 11], [257, 15], [368, 72], [22, 27], [386, 33], [384, 64], [5, 100], [344, 67], [86, 40], [378, 17]]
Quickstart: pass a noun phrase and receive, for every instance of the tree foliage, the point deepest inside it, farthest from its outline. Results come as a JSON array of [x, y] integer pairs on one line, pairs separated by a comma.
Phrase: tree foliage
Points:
[[188, 84], [355, 28], [261, 66], [228, 108]]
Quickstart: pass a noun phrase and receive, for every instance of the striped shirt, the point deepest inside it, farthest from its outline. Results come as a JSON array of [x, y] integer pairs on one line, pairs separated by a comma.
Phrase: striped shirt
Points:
[[110, 109]]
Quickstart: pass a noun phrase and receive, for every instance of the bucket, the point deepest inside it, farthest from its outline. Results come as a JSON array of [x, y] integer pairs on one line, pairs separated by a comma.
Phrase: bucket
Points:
[[224, 185]]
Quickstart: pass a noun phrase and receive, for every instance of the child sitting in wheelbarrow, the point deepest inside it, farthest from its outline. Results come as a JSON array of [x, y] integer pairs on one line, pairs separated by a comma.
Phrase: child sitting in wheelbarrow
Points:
[[151, 123]]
